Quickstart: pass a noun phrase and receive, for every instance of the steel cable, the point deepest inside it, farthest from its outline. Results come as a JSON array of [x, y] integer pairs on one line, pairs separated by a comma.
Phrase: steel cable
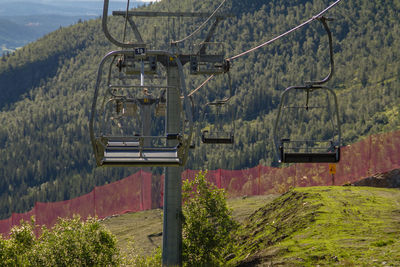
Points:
[[268, 42], [126, 20], [201, 26], [286, 33]]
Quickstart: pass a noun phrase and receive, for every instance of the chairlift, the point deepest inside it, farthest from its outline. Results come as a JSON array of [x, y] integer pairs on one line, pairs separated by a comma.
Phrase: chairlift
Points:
[[213, 62], [309, 103], [115, 130], [219, 111], [132, 66]]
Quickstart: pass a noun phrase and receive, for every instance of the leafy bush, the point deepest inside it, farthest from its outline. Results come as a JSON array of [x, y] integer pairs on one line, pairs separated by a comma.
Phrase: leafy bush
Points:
[[71, 242], [16, 251], [136, 258], [208, 226]]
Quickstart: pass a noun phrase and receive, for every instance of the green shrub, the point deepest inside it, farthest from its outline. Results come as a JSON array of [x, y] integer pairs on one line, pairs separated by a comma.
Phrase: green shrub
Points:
[[16, 251], [71, 242], [208, 226], [136, 258]]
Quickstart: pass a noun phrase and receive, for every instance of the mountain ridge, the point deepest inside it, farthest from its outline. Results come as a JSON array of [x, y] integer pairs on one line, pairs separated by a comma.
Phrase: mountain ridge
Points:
[[23, 22], [47, 88]]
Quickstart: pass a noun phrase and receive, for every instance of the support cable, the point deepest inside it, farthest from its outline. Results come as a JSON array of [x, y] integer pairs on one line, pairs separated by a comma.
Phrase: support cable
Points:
[[126, 20], [201, 85], [270, 41], [286, 33], [201, 26]]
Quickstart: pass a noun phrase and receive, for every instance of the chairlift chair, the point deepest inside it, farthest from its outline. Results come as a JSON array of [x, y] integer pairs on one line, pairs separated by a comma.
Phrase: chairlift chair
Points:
[[292, 150], [212, 63], [132, 66], [117, 145], [220, 110], [124, 151], [298, 149]]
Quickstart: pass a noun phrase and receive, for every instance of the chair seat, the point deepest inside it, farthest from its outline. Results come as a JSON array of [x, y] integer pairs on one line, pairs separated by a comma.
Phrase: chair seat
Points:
[[217, 138], [123, 151], [119, 144], [145, 157], [211, 140], [320, 157]]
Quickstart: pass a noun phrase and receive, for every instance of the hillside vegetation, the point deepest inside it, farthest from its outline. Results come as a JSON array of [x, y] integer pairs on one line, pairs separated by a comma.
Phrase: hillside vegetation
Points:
[[326, 226], [47, 88], [143, 230]]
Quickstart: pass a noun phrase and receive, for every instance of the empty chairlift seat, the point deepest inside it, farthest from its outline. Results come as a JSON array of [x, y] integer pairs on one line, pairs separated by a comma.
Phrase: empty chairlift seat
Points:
[[217, 137], [114, 151], [300, 108], [290, 118], [318, 155], [120, 107], [220, 113]]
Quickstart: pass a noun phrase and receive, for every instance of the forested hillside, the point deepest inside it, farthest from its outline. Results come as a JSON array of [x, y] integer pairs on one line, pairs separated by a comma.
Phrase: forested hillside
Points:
[[47, 88]]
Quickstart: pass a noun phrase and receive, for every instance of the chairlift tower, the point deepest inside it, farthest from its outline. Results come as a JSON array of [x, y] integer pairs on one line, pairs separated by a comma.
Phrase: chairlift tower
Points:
[[135, 150]]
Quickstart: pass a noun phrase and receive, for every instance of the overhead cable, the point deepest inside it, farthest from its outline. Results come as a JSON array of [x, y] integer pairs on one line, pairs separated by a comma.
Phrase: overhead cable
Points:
[[270, 41], [201, 26], [126, 19], [201, 85], [286, 33]]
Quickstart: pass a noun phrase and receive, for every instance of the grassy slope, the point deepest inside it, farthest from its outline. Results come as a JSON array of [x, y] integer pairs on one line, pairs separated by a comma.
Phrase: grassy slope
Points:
[[135, 227], [351, 226]]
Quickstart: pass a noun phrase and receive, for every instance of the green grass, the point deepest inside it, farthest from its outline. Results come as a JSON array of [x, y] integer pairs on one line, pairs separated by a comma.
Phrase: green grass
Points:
[[350, 226], [343, 226], [133, 229]]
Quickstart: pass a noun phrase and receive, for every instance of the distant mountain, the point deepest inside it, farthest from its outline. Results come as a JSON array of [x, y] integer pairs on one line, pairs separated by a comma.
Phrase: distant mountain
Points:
[[10, 8], [18, 31], [13, 35], [22, 22]]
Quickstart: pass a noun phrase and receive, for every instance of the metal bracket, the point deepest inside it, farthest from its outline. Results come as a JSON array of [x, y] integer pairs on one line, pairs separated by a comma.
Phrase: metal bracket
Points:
[[332, 63], [202, 49], [111, 38], [135, 29]]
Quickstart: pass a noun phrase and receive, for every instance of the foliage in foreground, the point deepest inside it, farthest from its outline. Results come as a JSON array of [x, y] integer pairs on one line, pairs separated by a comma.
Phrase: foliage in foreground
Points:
[[208, 225], [137, 259], [71, 242], [207, 229], [207, 237]]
